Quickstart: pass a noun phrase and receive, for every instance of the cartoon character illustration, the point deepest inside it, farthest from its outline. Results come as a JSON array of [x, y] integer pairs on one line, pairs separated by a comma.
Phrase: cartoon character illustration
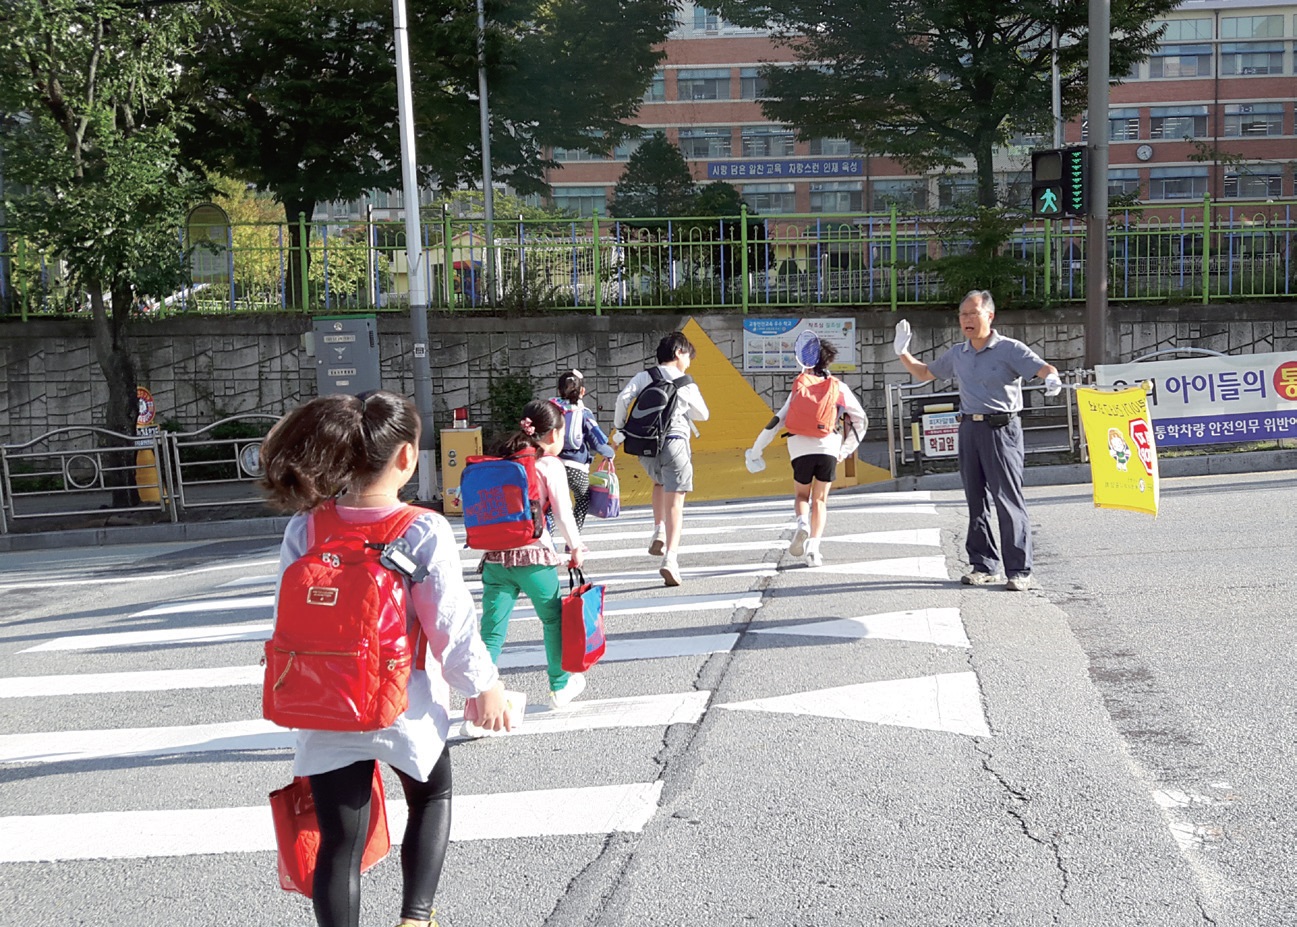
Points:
[[1118, 449]]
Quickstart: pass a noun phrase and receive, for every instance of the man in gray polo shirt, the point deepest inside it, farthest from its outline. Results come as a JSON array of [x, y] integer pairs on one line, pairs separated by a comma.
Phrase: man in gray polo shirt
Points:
[[990, 369]]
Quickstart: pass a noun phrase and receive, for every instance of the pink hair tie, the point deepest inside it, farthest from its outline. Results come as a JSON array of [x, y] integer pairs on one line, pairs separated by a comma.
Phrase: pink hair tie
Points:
[[527, 427]]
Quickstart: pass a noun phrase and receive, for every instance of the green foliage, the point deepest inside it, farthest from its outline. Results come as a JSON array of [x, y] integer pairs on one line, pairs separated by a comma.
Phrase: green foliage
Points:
[[975, 258], [656, 182], [506, 395], [718, 199], [931, 82]]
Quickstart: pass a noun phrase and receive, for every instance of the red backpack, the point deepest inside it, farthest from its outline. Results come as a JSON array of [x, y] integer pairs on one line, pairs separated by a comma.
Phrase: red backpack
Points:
[[813, 411], [501, 499], [342, 649]]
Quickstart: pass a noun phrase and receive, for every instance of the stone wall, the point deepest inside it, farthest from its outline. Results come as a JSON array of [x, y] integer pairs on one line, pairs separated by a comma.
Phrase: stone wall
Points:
[[204, 369]]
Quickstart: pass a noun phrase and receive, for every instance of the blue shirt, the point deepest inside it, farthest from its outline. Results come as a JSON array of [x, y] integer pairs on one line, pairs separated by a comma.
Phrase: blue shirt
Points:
[[990, 380]]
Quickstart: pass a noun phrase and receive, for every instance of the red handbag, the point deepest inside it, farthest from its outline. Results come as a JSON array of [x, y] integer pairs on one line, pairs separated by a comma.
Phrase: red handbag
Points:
[[297, 832], [583, 633]]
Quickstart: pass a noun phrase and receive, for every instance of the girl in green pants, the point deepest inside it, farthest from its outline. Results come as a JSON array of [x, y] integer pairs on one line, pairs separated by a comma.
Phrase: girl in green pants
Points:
[[533, 568]]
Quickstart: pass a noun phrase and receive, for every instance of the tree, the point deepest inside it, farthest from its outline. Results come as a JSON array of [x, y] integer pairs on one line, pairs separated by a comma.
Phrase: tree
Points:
[[98, 155], [930, 82], [655, 184], [718, 199], [299, 96]]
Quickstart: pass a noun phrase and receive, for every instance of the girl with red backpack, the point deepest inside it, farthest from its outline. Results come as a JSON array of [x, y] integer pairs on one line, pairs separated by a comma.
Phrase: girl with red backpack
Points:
[[811, 414], [344, 459], [533, 567]]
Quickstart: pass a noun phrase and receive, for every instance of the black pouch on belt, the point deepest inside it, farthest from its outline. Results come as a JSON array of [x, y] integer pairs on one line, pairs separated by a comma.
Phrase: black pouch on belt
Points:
[[999, 419]]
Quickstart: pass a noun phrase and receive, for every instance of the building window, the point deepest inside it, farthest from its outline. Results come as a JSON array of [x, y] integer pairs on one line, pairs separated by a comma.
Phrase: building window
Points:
[[904, 194], [705, 20], [1181, 61], [769, 198], [767, 142], [1251, 27], [1123, 182], [1123, 124], [1015, 188], [840, 196], [834, 147], [956, 190], [627, 148], [568, 155], [1248, 58], [706, 142], [1177, 183], [703, 84], [657, 88], [1186, 30], [583, 201], [1178, 122], [752, 86], [1254, 184], [1250, 120]]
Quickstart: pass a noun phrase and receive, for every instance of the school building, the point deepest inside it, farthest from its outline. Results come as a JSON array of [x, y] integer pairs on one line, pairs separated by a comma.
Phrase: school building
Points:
[[1209, 113]]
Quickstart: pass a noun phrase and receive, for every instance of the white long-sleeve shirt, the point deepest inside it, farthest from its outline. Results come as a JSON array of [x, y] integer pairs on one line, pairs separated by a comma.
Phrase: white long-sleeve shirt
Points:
[[689, 401], [457, 656], [836, 445]]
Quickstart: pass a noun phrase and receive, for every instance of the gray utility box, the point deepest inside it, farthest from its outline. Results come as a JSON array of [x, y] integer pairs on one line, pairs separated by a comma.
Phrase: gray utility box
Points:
[[346, 354]]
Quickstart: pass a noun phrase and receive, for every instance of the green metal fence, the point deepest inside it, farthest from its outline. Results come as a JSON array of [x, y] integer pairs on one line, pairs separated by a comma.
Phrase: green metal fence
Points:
[[1208, 250]]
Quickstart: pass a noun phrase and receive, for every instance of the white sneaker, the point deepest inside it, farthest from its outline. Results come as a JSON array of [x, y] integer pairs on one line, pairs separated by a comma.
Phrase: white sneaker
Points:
[[569, 693], [658, 546], [813, 559], [670, 571], [797, 546]]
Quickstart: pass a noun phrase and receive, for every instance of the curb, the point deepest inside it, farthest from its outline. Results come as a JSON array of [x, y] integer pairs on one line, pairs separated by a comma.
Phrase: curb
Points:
[[1057, 475]]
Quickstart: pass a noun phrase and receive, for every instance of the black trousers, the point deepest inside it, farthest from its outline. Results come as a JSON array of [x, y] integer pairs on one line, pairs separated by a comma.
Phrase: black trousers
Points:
[[991, 461], [342, 799]]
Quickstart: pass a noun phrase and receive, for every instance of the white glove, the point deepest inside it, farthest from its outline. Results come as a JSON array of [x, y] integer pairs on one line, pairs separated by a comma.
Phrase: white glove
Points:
[[1053, 385], [903, 335], [752, 457], [618, 439]]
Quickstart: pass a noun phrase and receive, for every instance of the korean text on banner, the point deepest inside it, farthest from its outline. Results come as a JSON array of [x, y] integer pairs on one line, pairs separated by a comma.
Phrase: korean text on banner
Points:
[[1123, 454]]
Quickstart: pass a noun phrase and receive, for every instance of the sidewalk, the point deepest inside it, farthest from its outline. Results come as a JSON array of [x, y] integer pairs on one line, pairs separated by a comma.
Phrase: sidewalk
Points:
[[273, 527]]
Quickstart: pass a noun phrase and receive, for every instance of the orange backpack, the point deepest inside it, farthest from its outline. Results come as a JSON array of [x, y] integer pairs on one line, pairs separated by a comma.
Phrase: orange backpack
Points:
[[813, 411]]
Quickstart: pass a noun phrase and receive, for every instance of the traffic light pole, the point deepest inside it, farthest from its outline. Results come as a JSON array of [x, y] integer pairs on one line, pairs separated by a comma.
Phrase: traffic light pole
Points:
[[1096, 223]]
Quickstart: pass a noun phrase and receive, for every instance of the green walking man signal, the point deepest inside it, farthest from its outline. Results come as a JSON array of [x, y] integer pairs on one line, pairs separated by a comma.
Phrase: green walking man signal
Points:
[[1058, 182]]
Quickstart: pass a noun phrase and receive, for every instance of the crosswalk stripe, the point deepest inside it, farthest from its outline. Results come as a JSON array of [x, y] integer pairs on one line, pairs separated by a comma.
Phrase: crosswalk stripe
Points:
[[919, 537], [950, 702], [622, 649], [909, 567], [257, 734], [737, 571], [941, 626], [145, 681], [142, 577], [651, 605], [217, 604], [601, 809], [210, 634], [732, 547]]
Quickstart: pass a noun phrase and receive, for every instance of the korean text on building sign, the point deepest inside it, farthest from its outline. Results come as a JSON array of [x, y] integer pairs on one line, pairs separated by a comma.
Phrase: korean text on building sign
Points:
[[795, 168], [1206, 400]]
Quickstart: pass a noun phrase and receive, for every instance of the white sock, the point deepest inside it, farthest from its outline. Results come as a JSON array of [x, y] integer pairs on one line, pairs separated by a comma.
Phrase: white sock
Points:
[[812, 545], [660, 528]]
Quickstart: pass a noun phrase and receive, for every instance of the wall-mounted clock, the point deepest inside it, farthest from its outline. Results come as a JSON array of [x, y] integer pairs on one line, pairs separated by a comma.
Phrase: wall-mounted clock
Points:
[[1144, 152]]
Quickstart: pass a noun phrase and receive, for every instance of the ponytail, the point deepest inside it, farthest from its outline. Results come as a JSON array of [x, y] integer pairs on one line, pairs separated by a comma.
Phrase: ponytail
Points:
[[539, 418], [828, 354], [333, 443], [570, 384]]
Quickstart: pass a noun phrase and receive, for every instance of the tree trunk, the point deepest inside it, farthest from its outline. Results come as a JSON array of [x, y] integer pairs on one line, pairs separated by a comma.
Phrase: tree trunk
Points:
[[297, 275], [111, 350], [985, 157]]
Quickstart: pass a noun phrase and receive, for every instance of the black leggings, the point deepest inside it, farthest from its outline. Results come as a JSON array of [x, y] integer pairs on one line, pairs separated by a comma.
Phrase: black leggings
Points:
[[579, 482], [342, 799]]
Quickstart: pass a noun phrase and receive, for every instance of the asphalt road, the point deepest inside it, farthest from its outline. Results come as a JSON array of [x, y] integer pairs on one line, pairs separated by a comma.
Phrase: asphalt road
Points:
[[867, 743]]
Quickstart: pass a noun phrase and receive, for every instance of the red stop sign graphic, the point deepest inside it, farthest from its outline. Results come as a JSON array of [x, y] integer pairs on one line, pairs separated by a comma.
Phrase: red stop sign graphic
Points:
[[1143, 438], [1285, 381]]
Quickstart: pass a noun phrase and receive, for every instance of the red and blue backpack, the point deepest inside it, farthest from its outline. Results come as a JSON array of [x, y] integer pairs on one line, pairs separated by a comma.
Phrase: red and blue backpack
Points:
[[501, 497]]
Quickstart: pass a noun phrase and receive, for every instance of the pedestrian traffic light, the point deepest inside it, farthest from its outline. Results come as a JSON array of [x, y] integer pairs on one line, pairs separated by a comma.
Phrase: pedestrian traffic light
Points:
[[1058, 180]]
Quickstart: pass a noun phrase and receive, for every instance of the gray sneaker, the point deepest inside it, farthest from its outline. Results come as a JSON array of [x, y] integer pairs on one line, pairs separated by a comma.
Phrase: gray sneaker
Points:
[[797, 546], [1019, 583], [670, 571], [977, 578], [658, 546]]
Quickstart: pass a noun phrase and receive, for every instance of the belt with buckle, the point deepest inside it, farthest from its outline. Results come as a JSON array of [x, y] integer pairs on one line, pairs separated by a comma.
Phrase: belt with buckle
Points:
[[1001, 418]]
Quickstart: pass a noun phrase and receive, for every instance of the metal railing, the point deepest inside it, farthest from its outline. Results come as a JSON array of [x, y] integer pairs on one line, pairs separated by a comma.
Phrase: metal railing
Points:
[[1050, 426], [1204, 251], [80, 471]]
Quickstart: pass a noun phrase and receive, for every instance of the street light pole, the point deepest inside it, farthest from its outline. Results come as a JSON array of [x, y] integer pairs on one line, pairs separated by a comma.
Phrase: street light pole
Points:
[[1096, 223], [488, 192], [415, 270]]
